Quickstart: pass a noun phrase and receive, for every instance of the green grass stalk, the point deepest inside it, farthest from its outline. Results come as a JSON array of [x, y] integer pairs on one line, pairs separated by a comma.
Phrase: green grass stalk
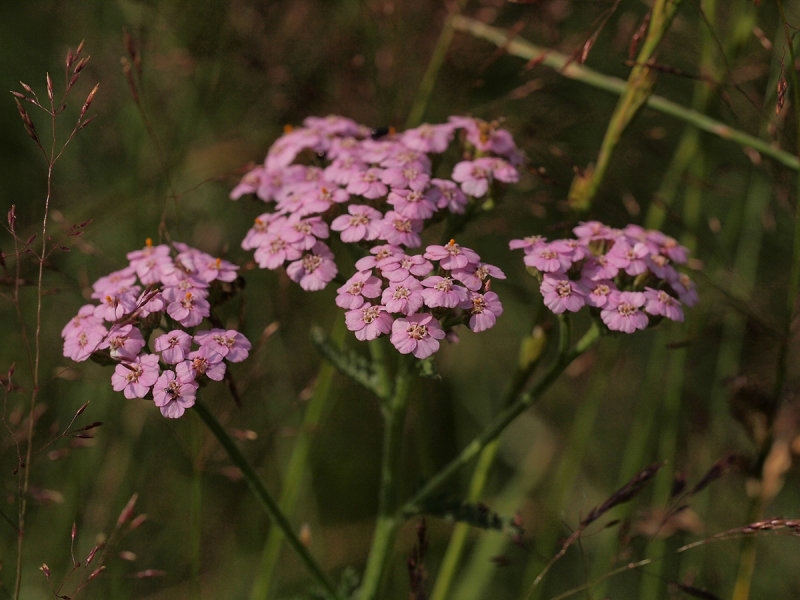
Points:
[[264, 498], [297, 469], [571, 70], [428, 82]]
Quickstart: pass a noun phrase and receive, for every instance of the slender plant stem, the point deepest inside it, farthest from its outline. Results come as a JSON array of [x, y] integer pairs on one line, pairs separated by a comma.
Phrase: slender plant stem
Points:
[[458, 538], [639, 87], [747, 553], [434, 66], [297, 469], [388, 521], [265, 499], [503, 419], [571, 70]]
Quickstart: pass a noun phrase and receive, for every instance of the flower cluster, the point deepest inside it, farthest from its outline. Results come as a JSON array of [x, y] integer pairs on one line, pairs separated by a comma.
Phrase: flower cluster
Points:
[[166, 288], [365, 186], [627, 275], [398, 294]]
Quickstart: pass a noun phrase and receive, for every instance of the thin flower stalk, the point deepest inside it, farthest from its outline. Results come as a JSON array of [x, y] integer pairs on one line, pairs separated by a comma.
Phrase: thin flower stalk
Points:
[[296, 470], [260, 491], [503, 419]]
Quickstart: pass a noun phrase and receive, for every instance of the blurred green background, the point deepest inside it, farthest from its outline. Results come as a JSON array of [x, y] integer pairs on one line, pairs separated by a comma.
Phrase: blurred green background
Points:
[[220, 80]]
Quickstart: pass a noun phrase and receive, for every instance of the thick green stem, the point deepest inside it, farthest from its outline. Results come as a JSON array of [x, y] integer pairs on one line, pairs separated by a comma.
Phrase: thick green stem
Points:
[[265, 499], [503, 419], [388, 520]]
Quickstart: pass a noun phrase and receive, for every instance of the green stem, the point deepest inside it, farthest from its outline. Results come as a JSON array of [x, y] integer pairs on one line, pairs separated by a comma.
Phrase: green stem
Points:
[[571, 70], [259, 489], [388, 520], [434, 66], [639, 87], [458, 538], [297, 469], [503, 419]]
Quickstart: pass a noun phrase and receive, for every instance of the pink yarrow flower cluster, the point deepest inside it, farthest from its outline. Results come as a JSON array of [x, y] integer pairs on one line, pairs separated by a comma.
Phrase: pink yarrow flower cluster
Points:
[[416, 299], [627, 275], [364, 187], [167, 288]]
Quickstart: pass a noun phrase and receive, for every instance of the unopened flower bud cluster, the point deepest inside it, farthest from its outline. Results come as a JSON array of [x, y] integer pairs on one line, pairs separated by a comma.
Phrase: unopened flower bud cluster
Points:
[[163, 288], [628, 275]]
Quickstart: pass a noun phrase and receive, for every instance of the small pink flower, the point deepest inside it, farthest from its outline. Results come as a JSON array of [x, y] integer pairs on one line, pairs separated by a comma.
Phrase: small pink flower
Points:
[[201, 362], [561, 294], [361, 224], [135, 378], [368, 184], [124, 342], [173, 346], [400, 230], [230, 344], [418, 334], [452, 256], [363, 284], [411, 203], [172, 395], [314, 270], [623, 312], [441, 291], [446, 194], [368, 321], [474, 176], [403, 297], [484, 311], [660, 303], [189, 310]]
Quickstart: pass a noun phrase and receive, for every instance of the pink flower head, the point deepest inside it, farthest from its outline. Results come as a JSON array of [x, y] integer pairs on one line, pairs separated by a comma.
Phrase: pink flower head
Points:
[[79, 343], [249, 183], [429, 138], [361, 223], [474, 176], [476, 277], [368, 321], [368, 184], [410, 176], [623, 312], [201, 362], [400, 230], [441, 291], [363, 284], [484, 311], [547, 260], [230, 344], [412, 203], [418, 334], [446, 194], [452, 256], [173, 346], [315, 269], [402, 266], [560, 294], [660, 303], [135, 378], [123, 341], [403, 297], [172, 395], [380, 256], [189, 310]]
